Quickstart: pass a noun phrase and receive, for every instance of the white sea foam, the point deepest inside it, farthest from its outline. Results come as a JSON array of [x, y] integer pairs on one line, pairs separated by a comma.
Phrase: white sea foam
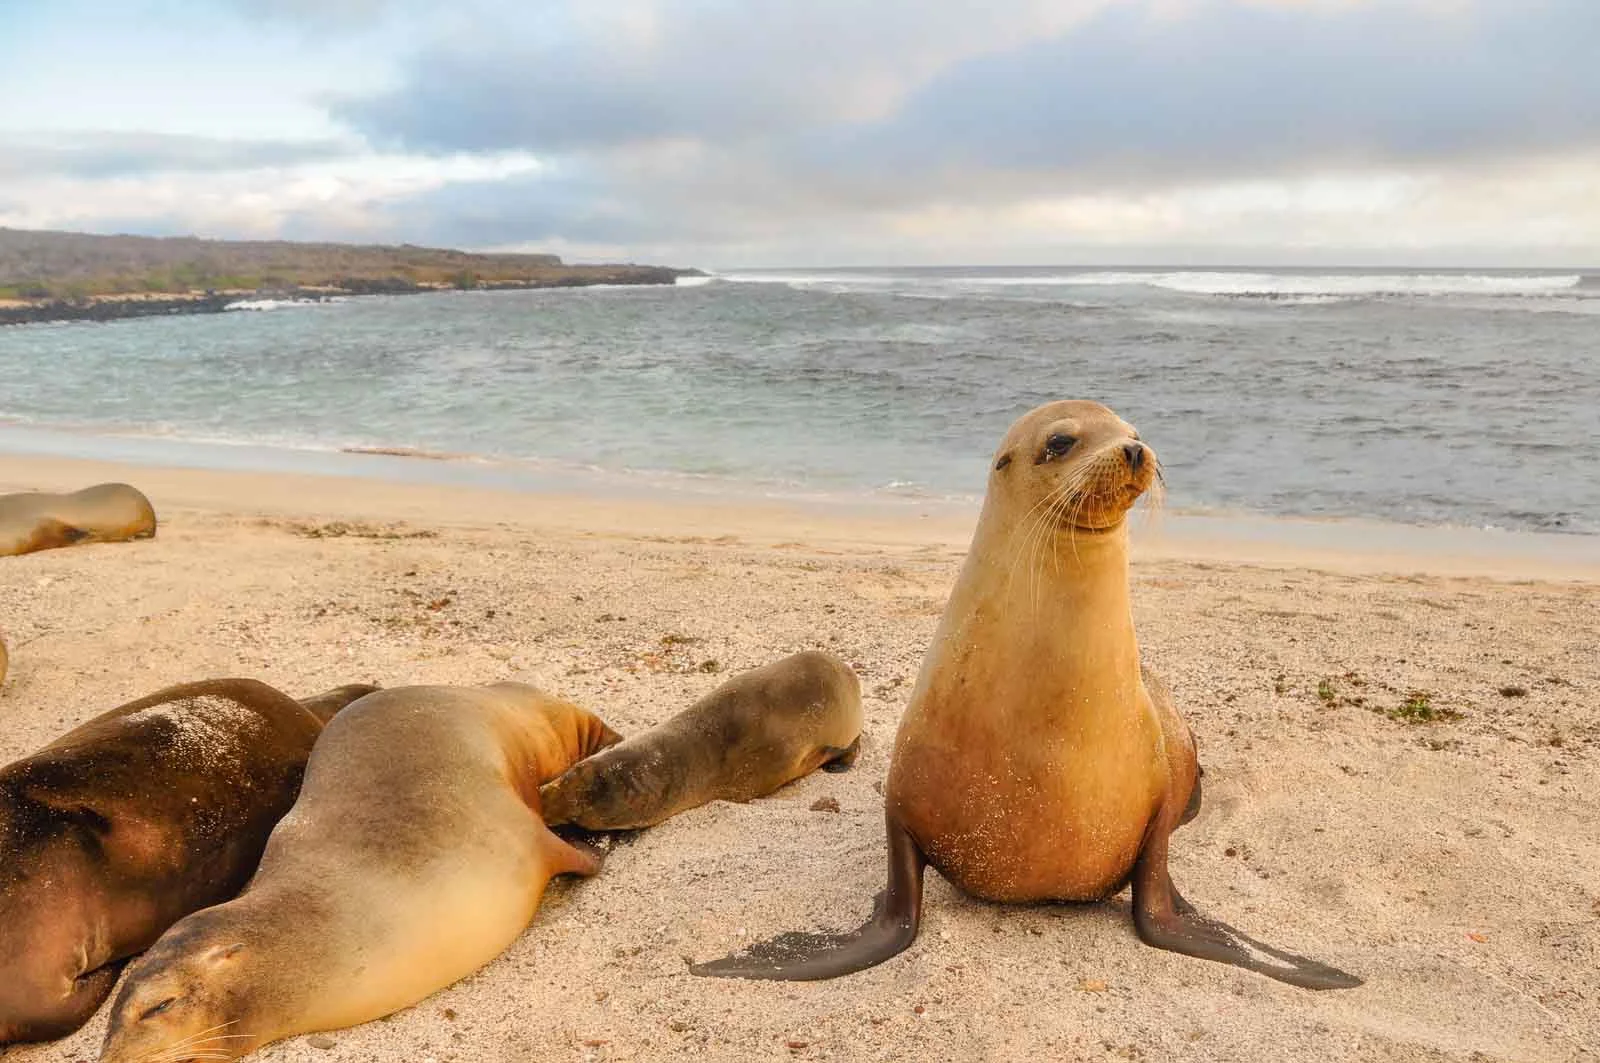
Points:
[[1199, 282], [1305, 287], [272, 304]]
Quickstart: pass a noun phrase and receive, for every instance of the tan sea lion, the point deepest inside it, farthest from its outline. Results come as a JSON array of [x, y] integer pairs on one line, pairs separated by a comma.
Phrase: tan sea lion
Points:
[[414, 856], [104, 513], [120, 828], [758, 731], [1037, 760]]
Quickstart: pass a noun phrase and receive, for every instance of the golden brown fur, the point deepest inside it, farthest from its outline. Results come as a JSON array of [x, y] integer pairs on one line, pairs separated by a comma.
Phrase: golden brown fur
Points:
[[125, 825], [104, 513], [1031, 694], [759, 731], [1038, 760], [414, 856]]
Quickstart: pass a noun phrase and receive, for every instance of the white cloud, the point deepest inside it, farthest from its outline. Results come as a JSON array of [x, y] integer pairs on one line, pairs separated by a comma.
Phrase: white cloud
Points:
[[345, 197]]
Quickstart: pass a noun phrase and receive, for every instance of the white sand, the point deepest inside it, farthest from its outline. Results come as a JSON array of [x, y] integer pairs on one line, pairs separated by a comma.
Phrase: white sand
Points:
[[1455, 865]]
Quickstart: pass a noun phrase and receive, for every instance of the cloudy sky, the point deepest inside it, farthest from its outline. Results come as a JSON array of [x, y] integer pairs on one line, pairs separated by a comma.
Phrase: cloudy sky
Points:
[[724, 133]]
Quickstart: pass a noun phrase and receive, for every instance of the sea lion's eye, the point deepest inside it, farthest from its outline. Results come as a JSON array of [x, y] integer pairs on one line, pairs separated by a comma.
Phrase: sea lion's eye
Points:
[[1058, 444], [159, 1008]]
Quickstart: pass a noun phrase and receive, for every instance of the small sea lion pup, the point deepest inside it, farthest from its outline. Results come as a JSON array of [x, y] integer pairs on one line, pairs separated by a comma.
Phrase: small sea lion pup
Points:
[[758, 731], [117, 830], [104, 513], [414, 856], [1037, 760]]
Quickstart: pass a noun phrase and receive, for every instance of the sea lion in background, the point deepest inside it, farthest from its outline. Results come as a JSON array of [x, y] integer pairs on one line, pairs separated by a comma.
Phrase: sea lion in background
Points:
[[758, 731], [5, 660], [1037, 760], [414, 856], [120, 828], [104, 513]]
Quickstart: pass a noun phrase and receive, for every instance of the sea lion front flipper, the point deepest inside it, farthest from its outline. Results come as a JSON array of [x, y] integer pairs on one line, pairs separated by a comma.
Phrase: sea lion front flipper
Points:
[[799, 956], [571, 857], [841, 759], [1166, 921], [49, 534], [1192, 809], [67, 1014]]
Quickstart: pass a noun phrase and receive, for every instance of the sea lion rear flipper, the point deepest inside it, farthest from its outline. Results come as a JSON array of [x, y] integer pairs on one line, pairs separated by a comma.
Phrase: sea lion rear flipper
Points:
[[1166, 921], [838, 759], [799, 956], [64, 1016]]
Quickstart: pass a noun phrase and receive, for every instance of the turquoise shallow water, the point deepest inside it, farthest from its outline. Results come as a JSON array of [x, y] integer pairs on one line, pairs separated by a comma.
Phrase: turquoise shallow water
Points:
[[1457, 398]]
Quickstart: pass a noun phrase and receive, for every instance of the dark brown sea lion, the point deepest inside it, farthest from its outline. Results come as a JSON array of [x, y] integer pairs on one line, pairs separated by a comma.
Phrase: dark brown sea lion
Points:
[[104, 513], [117, 830], [1037, 760], [414, 856], [758, 731]]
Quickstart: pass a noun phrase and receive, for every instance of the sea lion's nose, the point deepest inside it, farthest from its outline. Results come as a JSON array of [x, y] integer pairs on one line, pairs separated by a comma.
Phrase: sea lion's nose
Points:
[[1134, 452]]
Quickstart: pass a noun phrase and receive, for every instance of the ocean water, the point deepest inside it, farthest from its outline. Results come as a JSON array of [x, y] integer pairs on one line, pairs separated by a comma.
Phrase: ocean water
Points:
[[1467, 398]]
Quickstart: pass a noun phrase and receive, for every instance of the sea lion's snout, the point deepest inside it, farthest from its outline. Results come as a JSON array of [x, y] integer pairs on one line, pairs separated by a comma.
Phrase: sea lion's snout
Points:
[[174, 1004], [1134, 453]]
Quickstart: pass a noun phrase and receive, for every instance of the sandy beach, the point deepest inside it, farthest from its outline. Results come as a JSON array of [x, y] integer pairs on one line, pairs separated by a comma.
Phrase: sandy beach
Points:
[[1455, 864]]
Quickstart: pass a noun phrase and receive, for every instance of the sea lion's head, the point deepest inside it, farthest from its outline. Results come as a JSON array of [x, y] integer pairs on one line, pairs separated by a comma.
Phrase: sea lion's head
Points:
[[1074, 465], [192, 997], [608, 791]]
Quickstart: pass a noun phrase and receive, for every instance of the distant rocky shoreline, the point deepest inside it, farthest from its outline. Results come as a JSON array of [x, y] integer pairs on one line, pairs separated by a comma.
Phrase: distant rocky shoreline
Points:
[[123, 307]]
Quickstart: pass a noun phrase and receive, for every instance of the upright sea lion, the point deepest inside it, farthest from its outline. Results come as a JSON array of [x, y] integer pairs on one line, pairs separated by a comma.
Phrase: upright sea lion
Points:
[[414, 856], [1037, 760], [756, 732], [117, 830], [104, 513]]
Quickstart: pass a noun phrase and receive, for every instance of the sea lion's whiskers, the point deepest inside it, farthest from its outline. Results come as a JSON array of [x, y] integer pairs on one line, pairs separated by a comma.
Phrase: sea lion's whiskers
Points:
[[1093, 470], [1076, 502], [189, 1046], [1081, 484], [183, 1055], [1049, 523], [1027, 532], [1023, 521], [192, 1038]]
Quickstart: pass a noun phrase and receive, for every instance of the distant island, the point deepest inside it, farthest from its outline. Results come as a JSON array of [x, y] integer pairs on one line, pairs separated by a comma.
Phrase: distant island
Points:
[[63, 276]]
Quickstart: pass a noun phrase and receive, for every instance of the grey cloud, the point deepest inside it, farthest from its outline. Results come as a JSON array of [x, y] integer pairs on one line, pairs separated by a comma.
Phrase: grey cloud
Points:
[[1138, 93], [554, 77], [582, 206], [1227, 90], [101, 155]]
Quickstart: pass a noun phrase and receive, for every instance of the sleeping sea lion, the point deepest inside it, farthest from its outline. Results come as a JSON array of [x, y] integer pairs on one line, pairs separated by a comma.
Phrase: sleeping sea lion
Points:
[[756, 732], [104, 513], [414, 856], [120, 828], [1037, 760]]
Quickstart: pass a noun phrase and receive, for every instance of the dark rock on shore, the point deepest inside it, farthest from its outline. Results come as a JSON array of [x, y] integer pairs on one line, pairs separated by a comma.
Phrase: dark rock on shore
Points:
[[121, 309]]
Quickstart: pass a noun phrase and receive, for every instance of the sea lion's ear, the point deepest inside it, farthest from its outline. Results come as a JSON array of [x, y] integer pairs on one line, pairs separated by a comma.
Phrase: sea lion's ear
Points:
[[1005, 459], [224, 952]]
